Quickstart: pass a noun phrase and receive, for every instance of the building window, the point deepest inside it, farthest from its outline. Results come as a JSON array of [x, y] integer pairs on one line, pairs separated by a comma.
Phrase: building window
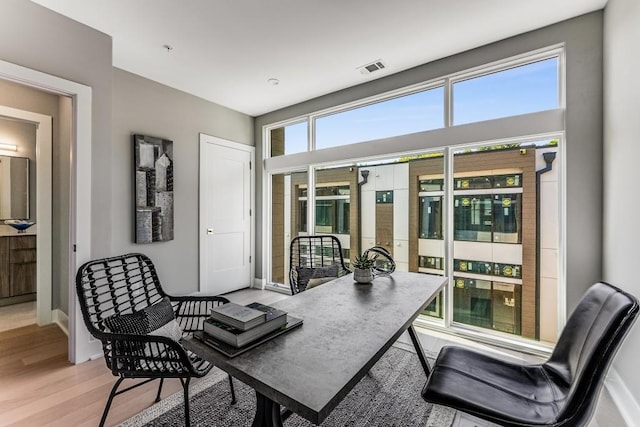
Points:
[[332, 209], [478, 267], [506, 307], [472, 183], [431, 217], [506, 218], [302, 216], [490, 181], [434, 309], [481, 215], [472, 302], [507, 181], [436, 263], [428, 185], [507, 270], [473, 218], [487, 304], [487, 268]]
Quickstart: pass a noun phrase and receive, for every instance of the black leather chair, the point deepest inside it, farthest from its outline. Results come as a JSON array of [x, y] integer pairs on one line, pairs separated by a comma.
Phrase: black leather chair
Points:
[[563, 391], [124, 292], [314, 259]]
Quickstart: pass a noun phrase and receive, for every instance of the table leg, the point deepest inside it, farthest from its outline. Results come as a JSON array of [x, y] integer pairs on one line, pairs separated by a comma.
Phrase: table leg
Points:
[[416, 343], [267, 412]]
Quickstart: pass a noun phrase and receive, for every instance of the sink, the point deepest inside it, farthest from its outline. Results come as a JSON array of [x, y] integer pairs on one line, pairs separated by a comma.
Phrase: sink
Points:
[[19, 224]]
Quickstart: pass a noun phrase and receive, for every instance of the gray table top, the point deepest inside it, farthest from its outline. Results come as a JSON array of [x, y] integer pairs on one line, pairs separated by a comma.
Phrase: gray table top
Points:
[[347, 328]]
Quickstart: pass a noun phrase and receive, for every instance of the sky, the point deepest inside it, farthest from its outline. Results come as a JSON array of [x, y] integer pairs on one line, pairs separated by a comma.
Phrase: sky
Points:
[[520, 90]]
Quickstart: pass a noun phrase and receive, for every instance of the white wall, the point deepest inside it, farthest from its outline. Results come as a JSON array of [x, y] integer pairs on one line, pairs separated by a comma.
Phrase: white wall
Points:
[[549, 249], [621, 155], [387, 178]]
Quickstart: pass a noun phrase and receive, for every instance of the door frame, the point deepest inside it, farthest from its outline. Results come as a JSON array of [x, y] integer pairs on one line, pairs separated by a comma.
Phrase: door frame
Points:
[[210, 139], [43, 202], [82, 346]]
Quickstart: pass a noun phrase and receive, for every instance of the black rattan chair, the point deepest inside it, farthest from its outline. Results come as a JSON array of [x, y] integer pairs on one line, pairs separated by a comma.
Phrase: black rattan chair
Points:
[[563, 391], [127, 285], [314, 258]]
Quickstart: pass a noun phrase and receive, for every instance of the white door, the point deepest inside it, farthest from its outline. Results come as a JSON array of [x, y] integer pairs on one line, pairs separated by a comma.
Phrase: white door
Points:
[[226, 204]]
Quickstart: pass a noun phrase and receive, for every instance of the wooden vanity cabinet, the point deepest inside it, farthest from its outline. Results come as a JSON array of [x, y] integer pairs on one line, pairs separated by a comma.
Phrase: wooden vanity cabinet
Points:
[[17, 265]]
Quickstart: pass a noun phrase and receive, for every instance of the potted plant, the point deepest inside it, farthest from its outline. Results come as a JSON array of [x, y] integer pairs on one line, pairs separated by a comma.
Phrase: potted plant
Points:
[[362, 267]]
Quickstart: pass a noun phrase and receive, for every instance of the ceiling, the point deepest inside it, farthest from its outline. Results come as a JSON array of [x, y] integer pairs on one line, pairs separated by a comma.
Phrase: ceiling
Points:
[[225, 51]]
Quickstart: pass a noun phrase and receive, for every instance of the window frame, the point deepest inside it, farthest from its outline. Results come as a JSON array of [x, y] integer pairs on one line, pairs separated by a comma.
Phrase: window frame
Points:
[[527, 127], [497, 67]]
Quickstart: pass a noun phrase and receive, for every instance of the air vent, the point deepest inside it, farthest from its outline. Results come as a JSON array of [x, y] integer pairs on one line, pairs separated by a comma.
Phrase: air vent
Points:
[[371, 68]]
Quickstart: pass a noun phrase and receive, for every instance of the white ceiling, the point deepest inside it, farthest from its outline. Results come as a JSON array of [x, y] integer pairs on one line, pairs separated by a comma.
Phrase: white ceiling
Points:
[[226, 50]]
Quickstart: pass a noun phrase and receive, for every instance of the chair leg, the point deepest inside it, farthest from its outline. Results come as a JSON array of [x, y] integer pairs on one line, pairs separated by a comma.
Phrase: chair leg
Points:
[[159, 390], [233, 392], [187, 412], [111, 396]]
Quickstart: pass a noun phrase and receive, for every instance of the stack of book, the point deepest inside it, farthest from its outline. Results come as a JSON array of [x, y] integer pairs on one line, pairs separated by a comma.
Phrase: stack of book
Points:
[[239, 325]]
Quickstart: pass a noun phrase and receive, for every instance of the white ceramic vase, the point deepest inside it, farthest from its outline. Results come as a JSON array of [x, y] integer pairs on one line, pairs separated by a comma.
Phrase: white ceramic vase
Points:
[[361, 275]]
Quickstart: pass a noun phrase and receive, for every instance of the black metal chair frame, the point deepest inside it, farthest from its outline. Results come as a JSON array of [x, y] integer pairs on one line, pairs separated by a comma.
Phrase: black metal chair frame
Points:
[[302, 253], [562, 391], [129, 283]]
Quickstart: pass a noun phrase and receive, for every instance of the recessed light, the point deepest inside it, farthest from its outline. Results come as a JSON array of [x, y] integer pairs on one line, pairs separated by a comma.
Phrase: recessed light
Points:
[[273, 82]]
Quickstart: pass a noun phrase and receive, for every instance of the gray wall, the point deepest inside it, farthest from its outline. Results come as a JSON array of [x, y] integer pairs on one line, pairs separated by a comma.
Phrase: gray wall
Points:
[[145, 107], [45, 41], [621, 154], [37, 38], [583, 40]]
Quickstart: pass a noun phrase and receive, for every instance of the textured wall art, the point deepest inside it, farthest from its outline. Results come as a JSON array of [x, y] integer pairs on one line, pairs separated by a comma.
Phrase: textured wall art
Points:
[[154, 188]]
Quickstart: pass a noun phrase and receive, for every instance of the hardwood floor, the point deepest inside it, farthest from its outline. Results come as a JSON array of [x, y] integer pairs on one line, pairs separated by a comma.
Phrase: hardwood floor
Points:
[[17, 315], [39, 387]]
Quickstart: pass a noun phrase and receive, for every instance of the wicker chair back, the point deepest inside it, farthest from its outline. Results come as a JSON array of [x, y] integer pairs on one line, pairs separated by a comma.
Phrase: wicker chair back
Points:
[[314, 257]]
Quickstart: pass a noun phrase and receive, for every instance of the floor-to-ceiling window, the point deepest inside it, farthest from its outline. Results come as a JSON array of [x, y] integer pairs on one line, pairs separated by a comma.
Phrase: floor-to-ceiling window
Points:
[[397, 171]]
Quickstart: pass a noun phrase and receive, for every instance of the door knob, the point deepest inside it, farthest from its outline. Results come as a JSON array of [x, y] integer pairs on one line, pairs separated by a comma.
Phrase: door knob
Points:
[[209, 230]]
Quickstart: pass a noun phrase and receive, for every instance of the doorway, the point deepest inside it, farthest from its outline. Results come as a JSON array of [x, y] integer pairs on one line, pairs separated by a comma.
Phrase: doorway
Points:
[[43, 140], [226, 215], [81, 346]]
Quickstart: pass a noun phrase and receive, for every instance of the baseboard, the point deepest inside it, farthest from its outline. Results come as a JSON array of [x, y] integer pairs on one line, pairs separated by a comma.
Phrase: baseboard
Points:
[[258, 283], [60, 318], [623, 398], [281, 289]]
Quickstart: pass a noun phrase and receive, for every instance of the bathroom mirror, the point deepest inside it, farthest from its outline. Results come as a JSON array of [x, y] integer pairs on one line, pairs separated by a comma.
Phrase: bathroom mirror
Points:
[[14, 188]]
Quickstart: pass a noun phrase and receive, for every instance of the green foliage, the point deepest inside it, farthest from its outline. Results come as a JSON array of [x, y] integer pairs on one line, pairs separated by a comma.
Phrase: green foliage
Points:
[[405, 159], [364, 262]]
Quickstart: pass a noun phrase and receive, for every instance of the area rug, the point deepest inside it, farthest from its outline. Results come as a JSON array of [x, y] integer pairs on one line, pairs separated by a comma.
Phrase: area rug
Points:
[[389, 395]]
